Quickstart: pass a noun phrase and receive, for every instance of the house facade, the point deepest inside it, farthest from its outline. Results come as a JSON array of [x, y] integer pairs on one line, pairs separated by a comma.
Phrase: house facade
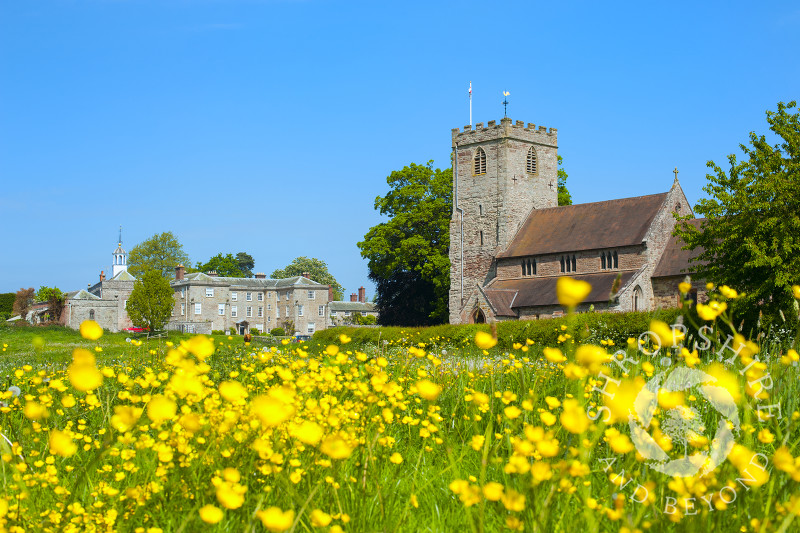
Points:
[[205, 302]]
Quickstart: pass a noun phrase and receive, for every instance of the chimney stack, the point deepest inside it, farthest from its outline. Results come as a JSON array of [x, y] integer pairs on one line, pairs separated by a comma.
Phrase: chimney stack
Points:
[[362, 294], [354, 297], [212, 273], [261, 275], [330, 293], [179, 272], [306, 275], [102, 276]]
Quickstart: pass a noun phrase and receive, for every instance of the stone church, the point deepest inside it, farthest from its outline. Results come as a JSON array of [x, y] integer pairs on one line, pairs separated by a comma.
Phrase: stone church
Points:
[[510, 241]]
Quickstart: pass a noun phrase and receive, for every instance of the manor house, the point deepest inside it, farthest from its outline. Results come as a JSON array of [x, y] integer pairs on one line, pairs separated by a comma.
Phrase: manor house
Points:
[[510, 241], [205, 302]]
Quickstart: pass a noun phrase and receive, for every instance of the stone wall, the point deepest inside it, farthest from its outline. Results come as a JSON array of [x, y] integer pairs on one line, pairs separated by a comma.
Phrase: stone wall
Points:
[[588, 262]]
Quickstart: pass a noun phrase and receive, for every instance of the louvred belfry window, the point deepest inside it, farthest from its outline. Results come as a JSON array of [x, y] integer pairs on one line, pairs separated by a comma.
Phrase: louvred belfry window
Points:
[[480, 162], [532, 164]]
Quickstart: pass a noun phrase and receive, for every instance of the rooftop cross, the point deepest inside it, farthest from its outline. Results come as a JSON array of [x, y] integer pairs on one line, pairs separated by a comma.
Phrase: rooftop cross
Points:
[[505, 104], [676, 173]]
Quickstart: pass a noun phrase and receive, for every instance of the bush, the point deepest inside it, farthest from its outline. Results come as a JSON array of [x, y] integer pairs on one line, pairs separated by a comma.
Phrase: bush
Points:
[[590, 327], [232, 331], [217, 332], [277, 332]]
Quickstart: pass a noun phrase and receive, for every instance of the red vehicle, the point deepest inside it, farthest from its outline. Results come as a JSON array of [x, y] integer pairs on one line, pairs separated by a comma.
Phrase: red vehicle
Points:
[[137, 330]]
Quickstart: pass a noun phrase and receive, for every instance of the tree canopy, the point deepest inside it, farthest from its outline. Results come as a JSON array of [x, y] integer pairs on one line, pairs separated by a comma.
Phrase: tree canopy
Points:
[[224, 265], [23, 301], [317, 270], [55, 300], [564, 197], [161, 252], [408, 254], [246, 264], [751, 233], [151, 302]]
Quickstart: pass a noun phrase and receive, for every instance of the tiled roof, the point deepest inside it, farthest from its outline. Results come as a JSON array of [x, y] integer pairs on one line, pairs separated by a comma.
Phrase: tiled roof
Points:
[[358, 307], [254, 283], [124, 276], [675, 261], [533, 292], [592, 226], [501, 301], [82, 294]]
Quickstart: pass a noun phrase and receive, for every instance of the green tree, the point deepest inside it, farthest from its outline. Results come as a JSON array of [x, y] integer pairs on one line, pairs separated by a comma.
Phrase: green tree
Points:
[[246, 264], [55, 300], [750, 238], [151, 302], [408, 254], [6, 304], [564, 197], [224, 265], [316, 269], [161, 252]]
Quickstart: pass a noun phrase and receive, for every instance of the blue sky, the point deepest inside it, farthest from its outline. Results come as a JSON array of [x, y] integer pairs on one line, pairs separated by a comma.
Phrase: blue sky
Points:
[[270, 126]]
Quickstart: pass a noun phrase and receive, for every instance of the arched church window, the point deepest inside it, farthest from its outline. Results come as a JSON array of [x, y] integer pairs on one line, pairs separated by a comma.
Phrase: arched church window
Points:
[[616, 259], [574, 264], [91, 314], [533, 264], [524, 267], [603, 260], [532, 163], [481, 238], [480, 162], [562, 264], [638, 300]]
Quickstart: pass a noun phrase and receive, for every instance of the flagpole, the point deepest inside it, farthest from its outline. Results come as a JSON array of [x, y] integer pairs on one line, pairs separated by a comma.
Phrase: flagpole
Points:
[[470, 104]]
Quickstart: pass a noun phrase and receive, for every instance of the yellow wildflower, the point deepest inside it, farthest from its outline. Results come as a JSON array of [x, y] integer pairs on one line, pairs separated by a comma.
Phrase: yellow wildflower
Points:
[[485, 340], [274, 519], [91, 330], [210, 514], [571, 291]]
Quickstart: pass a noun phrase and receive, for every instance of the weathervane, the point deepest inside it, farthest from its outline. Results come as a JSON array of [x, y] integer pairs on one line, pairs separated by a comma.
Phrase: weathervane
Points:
[[505, 104], [120, 235]]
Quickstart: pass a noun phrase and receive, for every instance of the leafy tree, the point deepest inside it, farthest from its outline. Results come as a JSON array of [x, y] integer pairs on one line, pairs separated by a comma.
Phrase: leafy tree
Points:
[[317, 270], [224, 265], [246, 264], [23, 302], [161, 252], [7, 304], [54, 298], [408, 254], [750, 238], [151, 302], [564, 197]]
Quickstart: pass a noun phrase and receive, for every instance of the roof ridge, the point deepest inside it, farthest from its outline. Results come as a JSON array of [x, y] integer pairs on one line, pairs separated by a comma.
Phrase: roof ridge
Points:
[[565, 207]]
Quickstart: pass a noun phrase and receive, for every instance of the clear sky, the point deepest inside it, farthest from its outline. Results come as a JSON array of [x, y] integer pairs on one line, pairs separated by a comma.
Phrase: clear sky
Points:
[[270, 126]]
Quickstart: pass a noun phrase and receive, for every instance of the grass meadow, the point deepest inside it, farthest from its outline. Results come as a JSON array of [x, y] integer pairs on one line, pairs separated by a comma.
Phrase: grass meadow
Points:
[[185, 434]]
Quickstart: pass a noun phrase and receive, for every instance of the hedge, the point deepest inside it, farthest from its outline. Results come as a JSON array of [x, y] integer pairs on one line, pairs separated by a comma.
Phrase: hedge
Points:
[[590, 327], [7, 302]]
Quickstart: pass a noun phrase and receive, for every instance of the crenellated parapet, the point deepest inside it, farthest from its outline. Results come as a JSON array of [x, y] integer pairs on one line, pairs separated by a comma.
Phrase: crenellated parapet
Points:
[[507, 128]]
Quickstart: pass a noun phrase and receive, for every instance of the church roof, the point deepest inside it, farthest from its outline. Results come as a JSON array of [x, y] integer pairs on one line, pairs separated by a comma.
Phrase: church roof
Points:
[[591, 226], [675, 261], [532, 292]]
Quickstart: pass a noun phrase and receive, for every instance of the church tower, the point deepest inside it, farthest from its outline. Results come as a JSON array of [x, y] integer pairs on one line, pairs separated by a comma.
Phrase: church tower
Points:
[[120, 261], [500, 173]]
